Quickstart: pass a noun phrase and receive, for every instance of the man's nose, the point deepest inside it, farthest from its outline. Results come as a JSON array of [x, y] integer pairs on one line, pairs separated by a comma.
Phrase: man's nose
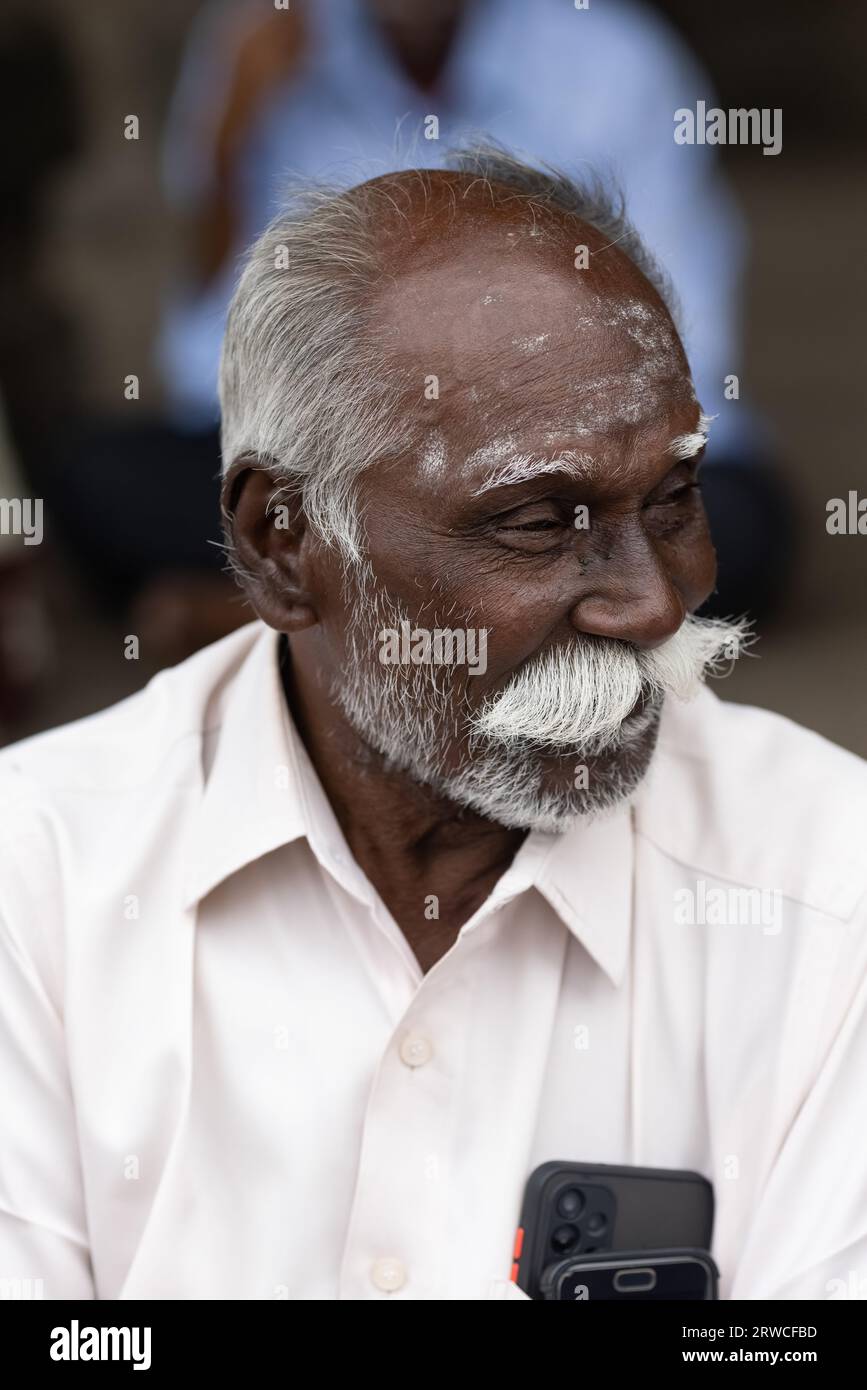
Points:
[[630, 598]]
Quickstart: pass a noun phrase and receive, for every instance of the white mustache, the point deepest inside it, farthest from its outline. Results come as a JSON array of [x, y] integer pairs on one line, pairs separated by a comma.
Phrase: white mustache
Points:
[[581, 694]]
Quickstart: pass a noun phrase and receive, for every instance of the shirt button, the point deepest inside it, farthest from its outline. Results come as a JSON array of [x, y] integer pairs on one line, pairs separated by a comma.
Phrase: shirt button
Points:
[[388, 1274], [415, 1051]]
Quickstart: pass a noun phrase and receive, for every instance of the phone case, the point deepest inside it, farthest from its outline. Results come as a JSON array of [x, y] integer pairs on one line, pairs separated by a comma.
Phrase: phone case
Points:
[[573, 1209], [633, 1276]]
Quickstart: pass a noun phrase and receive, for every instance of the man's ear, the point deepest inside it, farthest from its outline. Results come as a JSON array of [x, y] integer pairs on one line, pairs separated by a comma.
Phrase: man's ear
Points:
[[269, 543]]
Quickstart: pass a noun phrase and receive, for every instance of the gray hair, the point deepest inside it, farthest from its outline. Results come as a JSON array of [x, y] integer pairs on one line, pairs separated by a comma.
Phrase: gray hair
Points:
[[305, 385]]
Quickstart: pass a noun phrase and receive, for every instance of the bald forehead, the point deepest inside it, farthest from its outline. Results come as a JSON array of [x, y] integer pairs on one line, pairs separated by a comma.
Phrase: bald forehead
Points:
[[427, 217], [487, 318], [468, 261], [482, 304], [482, 293]]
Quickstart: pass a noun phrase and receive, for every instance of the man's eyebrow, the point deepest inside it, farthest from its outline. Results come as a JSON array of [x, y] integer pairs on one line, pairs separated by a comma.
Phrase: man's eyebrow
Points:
[[524, 468], [686, 446]]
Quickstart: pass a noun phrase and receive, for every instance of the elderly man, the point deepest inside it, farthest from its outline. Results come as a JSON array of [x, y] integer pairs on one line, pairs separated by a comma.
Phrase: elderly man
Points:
[[314, 949]]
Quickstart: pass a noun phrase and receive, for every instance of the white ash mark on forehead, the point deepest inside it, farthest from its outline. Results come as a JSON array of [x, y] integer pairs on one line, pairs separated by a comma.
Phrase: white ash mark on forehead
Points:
[[645, 324], [655, 341], [619, 400], [433, 459], [492, 298], [622, 398], [491, 455], [532, 343], [629, 311]]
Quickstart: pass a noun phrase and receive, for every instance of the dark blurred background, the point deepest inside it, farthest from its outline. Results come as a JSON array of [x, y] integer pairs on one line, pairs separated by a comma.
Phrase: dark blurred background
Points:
[[103, 235]]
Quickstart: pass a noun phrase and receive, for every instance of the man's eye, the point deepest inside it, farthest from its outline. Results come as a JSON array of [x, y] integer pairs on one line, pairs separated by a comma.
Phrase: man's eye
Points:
[[543, 524], [678, 494]]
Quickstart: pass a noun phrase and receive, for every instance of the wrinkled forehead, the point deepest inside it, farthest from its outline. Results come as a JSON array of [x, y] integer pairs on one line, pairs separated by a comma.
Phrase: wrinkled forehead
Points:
[[503, 326]]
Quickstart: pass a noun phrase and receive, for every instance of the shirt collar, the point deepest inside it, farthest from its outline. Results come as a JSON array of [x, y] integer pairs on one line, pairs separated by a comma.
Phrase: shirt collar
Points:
[[250, 803], [262, 792], [588, 880], [585, 875]]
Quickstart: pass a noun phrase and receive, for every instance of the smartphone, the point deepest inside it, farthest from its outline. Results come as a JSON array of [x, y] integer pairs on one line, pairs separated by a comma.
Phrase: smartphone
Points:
[[581, 1209], [631, 1276]]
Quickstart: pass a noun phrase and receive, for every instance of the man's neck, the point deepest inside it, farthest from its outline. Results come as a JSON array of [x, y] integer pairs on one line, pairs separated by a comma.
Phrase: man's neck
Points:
[[431, 862]]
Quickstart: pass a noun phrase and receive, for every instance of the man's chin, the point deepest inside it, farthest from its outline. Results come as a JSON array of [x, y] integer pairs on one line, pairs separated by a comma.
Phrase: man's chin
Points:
[[537, 788], [587, 781]]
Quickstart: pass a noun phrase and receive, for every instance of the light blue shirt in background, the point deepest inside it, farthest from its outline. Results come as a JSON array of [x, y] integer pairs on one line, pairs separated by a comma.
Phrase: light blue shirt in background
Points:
[[582, 89]]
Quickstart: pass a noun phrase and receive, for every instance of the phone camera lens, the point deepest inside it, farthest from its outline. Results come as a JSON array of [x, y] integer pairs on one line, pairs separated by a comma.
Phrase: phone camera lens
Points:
[[564, 1238], [596, 1224], [570, 1203]]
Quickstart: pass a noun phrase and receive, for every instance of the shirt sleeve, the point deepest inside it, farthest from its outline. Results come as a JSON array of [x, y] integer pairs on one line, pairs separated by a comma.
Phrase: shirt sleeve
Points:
[[43, 1229]]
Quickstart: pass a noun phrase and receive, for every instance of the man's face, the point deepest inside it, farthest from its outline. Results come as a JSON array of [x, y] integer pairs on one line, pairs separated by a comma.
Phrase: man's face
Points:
[[543, 507]]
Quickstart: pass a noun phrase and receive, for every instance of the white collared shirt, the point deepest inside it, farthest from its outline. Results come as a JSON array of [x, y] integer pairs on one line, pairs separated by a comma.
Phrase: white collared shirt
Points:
[[224, 1075]]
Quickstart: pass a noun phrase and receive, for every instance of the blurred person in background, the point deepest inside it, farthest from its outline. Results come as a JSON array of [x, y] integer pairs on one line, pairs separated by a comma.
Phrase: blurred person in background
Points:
[[342, 90]]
